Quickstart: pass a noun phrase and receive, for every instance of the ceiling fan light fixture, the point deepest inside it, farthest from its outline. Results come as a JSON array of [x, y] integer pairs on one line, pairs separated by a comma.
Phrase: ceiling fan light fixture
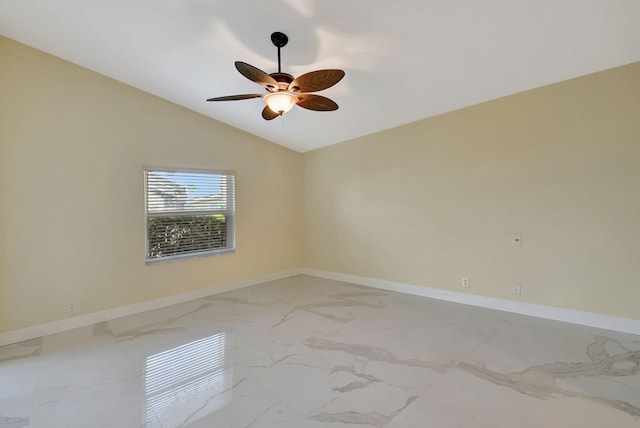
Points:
[[280, 102]]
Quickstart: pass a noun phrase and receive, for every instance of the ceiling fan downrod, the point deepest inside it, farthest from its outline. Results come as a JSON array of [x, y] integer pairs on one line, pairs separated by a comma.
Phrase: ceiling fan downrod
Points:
[[279, 40]]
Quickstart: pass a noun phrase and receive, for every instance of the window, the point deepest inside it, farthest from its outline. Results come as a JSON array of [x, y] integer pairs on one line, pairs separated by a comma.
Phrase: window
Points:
[[189, 213]]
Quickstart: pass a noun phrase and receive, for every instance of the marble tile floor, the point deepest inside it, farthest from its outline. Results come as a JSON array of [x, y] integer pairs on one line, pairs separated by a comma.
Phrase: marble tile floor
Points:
[[307, 352]]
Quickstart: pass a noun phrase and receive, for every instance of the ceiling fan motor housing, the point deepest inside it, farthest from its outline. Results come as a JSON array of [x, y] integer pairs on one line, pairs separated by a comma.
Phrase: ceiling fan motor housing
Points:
[[283, 79]]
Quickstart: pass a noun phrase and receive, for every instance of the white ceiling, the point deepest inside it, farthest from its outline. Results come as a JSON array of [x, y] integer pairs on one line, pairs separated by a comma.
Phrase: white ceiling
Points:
[[405, 60]]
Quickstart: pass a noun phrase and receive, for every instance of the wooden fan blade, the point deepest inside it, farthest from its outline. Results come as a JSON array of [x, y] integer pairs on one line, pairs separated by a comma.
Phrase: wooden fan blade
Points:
[[256, 75], [316, 102], [268, 114], [235, 97], [316, 80]]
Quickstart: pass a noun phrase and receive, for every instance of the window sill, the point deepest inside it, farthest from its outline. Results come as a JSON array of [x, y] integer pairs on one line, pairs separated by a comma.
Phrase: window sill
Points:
[[157, 260]]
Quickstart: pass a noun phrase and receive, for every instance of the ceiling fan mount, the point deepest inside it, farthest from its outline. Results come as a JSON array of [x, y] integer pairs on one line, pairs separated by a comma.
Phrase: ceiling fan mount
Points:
[[284, 90], [279, 39]]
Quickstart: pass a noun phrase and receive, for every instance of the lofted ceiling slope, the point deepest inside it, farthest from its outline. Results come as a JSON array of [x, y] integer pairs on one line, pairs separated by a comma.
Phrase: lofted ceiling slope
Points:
[[404, 60]]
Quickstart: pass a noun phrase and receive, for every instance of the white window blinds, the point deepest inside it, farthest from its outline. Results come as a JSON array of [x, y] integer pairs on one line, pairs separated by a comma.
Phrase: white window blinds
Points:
[[189, 213]]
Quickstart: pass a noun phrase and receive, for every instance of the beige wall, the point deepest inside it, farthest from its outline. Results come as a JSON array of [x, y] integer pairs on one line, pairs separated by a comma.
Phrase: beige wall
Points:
[[425, 203], [72, 149], [433, 201]]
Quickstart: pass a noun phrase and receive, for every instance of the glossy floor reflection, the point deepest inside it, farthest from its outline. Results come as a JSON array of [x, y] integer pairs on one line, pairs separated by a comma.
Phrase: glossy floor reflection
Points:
[[308, 352]]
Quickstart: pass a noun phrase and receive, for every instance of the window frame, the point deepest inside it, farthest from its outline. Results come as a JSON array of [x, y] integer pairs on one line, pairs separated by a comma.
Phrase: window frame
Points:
[[230, 215]]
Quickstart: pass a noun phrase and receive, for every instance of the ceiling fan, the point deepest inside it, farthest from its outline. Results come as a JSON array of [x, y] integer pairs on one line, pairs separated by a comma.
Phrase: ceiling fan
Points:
[[283, 90]]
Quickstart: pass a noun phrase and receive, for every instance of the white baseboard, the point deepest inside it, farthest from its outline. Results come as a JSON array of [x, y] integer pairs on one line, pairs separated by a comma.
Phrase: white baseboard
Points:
[[607, 322], [110, 314]]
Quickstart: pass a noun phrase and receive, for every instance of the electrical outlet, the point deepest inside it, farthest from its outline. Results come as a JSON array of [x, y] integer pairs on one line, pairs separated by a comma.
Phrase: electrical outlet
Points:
[[71, 305], [465, 282], [516, 240], [516, 289]]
